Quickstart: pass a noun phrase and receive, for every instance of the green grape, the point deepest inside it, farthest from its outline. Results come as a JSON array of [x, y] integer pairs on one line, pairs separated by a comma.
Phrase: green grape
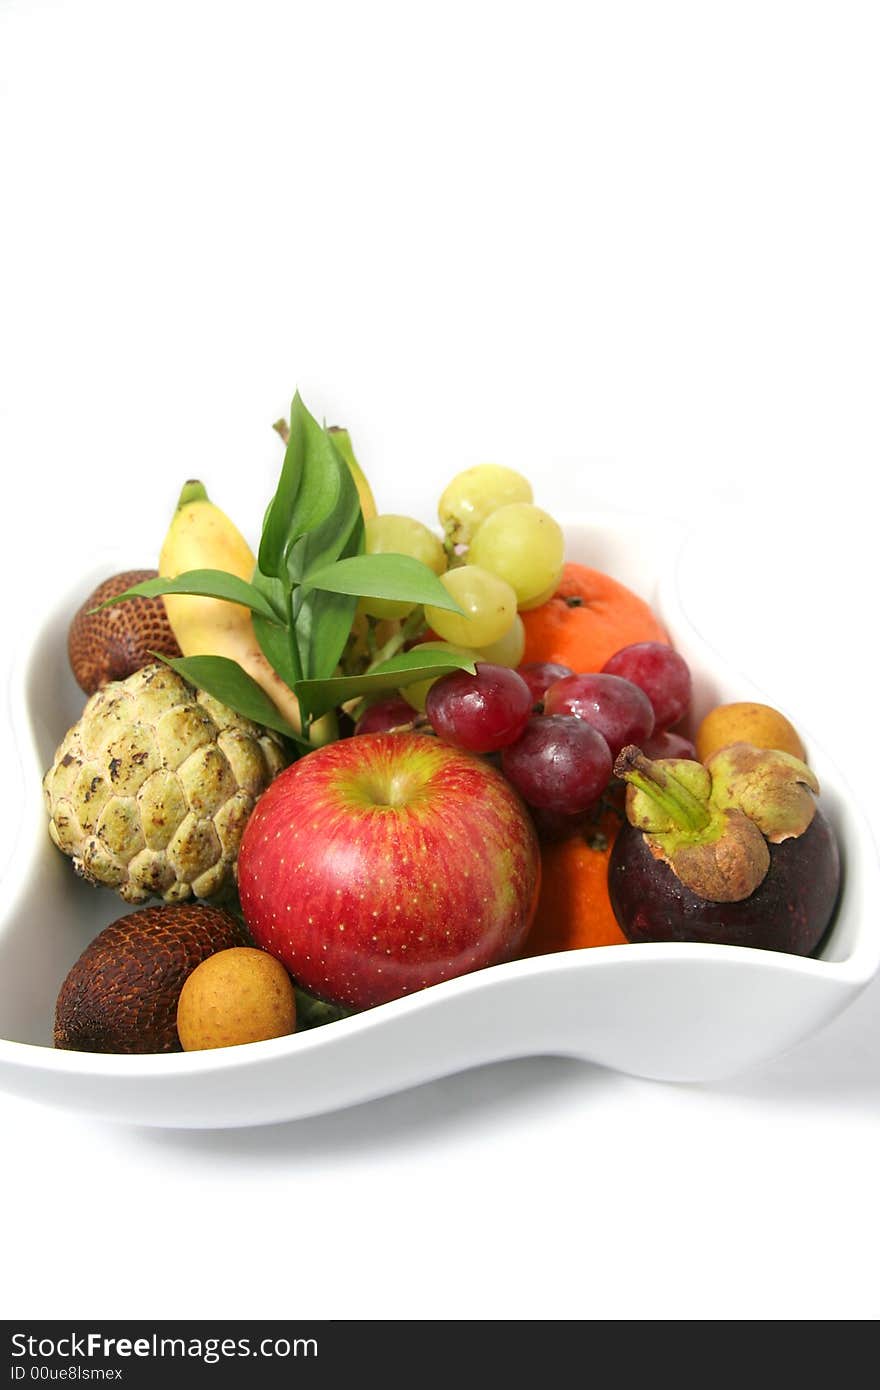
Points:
[[489, 605], [416, 693], [544, 596], [400, 535], [509, 649], [475, 493], [523, 545]]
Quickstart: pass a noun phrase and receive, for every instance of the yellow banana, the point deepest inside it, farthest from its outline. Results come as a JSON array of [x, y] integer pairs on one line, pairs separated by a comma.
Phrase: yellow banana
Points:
[[201, 536], [342, 440]]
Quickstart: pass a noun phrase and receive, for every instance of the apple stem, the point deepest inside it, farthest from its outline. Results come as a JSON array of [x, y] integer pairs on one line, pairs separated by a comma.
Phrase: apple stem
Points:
[[281, 427], [683, 808]]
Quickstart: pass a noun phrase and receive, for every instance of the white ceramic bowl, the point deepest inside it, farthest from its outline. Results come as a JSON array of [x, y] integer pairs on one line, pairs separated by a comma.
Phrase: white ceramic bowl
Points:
[[672, 1012]]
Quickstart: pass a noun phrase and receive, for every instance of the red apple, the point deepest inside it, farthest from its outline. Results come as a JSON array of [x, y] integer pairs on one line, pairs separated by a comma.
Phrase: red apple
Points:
[[384, 863]]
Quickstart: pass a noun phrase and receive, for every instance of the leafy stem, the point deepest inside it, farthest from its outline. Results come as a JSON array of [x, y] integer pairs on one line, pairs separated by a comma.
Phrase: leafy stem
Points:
[[295, 658], [408, 629], [301, 600]]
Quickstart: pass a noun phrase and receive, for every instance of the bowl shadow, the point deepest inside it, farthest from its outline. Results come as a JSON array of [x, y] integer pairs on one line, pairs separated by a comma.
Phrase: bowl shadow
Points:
[[471, 1101], [836, 1069]]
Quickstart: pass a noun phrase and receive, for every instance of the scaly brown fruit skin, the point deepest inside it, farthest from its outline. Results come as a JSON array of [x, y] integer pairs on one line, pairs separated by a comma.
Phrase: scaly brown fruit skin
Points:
[[116, 642], [122, 993]]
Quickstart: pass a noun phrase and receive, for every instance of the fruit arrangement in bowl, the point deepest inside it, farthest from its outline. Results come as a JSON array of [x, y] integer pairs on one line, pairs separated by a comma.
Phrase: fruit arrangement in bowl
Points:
[[378, 800]]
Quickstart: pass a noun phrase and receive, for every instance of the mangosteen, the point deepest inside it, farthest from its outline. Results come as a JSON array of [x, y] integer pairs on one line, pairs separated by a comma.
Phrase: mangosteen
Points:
[[734, 853]]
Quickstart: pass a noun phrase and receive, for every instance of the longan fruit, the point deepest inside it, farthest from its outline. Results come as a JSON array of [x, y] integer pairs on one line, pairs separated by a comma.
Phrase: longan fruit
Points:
[[245, 996], [746, 722]]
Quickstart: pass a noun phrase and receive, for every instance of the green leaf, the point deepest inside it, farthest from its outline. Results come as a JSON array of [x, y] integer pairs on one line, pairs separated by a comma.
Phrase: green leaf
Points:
[[274, 643], [383, 576], [342, 443], [274, 640], [324, 620], [232, 686], [204, 584], [333, 536], [322, 624], [316, 697], [312, 1012], [308, 491]]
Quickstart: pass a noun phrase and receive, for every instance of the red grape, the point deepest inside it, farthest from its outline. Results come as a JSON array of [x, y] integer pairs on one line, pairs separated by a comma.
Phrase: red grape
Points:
[[479, 713], [385, 715], [661, 673], [620, 711], [553, 825], [558, 764], [538, 675], [668, 745]]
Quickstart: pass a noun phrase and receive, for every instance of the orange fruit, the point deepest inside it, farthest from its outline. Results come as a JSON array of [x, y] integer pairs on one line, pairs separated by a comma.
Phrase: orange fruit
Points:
[[589, 618], [574, 909]]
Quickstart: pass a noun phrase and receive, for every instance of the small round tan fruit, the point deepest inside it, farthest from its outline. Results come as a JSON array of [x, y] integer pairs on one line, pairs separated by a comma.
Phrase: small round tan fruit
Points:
[[115, 642], [746, 722], [237, 996]]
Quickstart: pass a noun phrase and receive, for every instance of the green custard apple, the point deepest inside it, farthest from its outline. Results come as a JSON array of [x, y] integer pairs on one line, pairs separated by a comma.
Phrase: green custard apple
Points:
[[150, 791]]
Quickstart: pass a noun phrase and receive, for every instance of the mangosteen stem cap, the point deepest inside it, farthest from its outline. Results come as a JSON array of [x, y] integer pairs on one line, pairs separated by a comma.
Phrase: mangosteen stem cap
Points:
[[716, 852], [773, 788], [679, 806]]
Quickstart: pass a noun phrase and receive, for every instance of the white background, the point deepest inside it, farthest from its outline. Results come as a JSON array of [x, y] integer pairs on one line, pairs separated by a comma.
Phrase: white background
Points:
[[630, 249]]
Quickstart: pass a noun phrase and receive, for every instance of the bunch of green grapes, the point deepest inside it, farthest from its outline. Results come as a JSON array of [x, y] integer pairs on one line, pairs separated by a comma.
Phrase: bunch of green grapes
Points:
[[500, 556], [489, 511]]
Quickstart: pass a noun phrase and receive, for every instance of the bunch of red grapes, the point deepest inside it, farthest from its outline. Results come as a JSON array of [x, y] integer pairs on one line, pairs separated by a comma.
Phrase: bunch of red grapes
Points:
[[558, 732]]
